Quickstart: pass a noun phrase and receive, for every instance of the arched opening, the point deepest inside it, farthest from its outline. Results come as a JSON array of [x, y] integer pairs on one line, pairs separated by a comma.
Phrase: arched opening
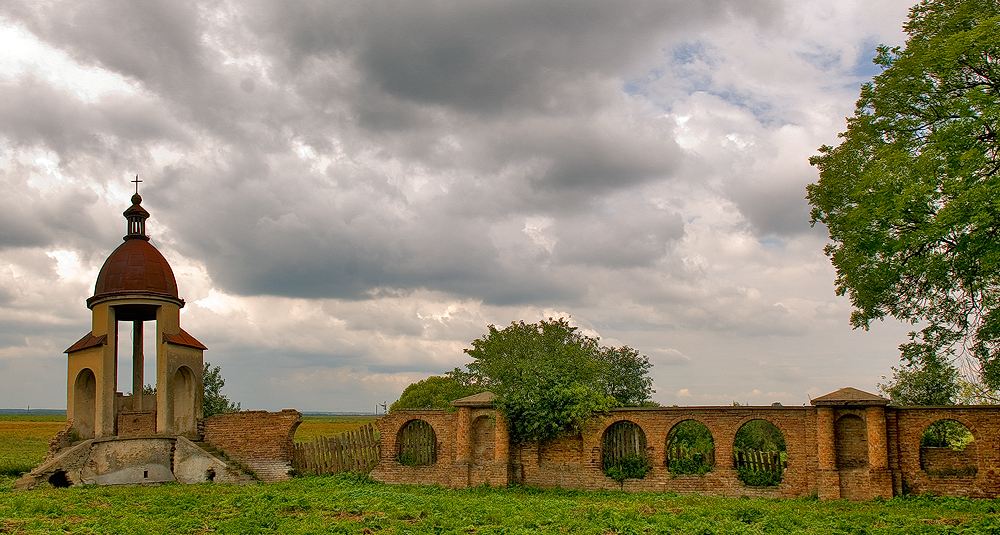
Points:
[[690, 448], [851, 436], [183, 400], [623, 454], [948, 449], [58, 479], [759, 451], [416, 444], [85, 403], [483, 440]]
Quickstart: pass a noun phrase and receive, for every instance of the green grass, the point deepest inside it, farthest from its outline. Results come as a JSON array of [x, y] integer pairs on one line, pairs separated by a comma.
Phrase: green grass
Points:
[[24, 441], [343, 504], [348, 504], [313, 427]]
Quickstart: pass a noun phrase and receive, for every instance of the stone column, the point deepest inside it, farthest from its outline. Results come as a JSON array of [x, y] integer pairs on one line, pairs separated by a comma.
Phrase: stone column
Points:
[[828, 477], [878, 453]]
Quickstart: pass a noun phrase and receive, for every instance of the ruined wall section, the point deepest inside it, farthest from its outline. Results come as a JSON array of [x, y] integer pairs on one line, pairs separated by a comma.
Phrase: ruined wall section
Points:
[[442, 472], [260, 440], [849, 452], [983, 454], [576, 462]]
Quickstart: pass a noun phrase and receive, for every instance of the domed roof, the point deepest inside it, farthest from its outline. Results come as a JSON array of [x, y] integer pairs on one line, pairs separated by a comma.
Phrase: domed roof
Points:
[[135, 267]]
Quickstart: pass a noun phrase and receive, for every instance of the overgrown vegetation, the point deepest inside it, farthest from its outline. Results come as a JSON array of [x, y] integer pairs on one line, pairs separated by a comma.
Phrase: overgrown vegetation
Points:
[[760, 439], [354, 504], [946, 434], [690, 448], [630, 466], [215, 402], [549, 378], [434, 393]]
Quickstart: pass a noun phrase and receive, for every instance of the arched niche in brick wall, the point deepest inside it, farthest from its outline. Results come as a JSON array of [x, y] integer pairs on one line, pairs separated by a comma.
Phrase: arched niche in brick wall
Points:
[[690, 448], [483, 440], [851, 439], [948, 449], [759, 453], [416, 444], [622, 441]]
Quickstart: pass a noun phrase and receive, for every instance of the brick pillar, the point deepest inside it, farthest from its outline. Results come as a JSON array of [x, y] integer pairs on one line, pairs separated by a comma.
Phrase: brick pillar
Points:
[[828, 478], [463, 464], [878, 453], [501, 451]]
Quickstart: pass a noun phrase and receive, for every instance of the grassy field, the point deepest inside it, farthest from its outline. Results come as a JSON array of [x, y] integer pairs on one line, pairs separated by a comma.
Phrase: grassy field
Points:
[[342, 504], [24, 439], [328, 426], [352, 504]]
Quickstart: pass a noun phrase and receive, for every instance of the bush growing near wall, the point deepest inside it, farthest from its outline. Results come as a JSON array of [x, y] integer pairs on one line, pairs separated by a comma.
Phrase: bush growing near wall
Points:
[[759, 478], [628, 467], [434, 392], [548, 378]]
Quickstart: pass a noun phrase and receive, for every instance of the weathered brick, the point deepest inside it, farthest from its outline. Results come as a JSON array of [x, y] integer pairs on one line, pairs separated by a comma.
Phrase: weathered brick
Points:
[[854, 452]]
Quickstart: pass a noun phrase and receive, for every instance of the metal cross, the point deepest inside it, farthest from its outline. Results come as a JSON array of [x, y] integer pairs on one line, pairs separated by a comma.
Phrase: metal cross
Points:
[[136, 181]]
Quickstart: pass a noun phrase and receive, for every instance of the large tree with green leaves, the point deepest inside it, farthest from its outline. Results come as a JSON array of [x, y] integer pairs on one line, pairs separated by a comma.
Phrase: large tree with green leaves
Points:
[[548, 377], [214, 401], [434, 392], [911, 196]]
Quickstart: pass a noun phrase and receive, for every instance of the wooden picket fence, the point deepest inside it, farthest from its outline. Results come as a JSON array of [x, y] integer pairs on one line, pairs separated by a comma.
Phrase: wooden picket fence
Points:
[[680, 452], [623, 439], [760, 461], [353, 451], [417, 444]]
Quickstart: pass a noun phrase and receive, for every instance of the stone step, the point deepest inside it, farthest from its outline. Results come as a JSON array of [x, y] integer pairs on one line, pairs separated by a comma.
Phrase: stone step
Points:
[[212, 450]]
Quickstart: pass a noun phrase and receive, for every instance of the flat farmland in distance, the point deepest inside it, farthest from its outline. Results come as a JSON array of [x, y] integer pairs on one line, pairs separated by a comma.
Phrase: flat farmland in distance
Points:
[[313, 426], [24, 440]]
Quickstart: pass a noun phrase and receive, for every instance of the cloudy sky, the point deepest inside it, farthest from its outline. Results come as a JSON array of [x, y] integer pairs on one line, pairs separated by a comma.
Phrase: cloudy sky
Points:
[[349, 192]]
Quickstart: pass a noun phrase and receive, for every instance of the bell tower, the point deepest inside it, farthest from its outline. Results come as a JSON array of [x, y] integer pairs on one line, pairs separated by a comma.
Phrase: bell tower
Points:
[[134, 286]]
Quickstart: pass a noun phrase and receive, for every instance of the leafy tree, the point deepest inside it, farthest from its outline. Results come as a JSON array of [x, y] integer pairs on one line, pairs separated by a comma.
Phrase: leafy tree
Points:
[[434, 393], [548, 378], [931, 380], [214, 401], [911, 196]]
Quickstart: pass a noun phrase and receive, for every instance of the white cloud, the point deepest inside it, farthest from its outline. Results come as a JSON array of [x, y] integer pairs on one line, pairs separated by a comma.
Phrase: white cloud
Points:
[[342, 211]]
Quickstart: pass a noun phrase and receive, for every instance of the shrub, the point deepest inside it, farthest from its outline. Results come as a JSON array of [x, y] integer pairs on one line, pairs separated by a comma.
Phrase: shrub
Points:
[[758, 478], [628, 467]]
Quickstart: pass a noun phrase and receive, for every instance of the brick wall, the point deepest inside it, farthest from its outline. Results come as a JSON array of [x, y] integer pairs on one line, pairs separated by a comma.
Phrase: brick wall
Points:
[[260, 440], [983, 422], [132, 423], [856, 453]]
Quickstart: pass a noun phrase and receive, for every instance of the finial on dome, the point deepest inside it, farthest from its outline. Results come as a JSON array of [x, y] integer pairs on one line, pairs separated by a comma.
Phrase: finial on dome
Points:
[[136, 216]]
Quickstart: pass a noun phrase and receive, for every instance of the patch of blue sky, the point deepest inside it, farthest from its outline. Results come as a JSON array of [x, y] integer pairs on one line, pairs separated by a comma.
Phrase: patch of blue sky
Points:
[[763, 110], [864, 67], [772, 243], [822, 60]]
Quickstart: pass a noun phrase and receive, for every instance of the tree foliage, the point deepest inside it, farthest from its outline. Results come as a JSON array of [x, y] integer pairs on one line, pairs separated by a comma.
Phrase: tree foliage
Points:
[[214, 401], [911, 196], [434, 393], [548, 378]]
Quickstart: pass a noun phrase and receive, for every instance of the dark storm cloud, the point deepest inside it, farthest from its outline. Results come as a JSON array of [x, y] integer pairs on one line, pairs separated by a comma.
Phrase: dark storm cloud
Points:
[[443, 124], [480, 56]]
